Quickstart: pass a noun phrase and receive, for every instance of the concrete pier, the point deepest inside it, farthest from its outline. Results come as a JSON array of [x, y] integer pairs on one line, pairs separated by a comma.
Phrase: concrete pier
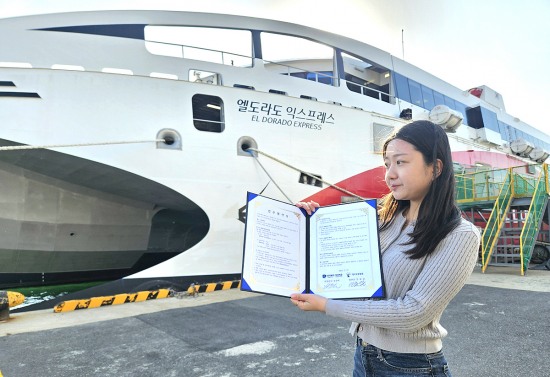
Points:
[[498, 326]]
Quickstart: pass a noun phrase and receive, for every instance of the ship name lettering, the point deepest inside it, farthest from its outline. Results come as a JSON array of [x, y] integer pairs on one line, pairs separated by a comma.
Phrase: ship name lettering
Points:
[[312, 126], [284, 122]]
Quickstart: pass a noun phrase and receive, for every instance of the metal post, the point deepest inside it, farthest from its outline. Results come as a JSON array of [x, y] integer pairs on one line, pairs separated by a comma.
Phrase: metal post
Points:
[[4, 306]]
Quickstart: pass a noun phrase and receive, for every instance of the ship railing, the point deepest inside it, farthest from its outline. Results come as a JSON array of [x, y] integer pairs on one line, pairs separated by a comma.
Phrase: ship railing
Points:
[[529, 233], [479, 186], [229, 58], [486, 184], [334, 81], [206, 54], [367, 91], [496, 220]]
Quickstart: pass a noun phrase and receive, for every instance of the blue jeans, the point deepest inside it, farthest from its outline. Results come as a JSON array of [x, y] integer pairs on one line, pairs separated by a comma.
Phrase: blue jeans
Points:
[[372, 361]]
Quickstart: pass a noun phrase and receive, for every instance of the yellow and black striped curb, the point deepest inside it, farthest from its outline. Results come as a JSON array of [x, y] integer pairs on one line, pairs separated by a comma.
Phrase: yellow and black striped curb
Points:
[[97, 302], [123, 298], [195, 289]]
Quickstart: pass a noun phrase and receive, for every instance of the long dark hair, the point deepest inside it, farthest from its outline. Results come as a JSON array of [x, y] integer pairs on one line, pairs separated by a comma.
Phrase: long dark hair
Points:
[[438, 213]]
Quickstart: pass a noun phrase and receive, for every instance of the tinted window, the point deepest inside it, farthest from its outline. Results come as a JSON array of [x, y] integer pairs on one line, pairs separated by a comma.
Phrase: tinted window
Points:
[[460, 107], [490, 120], [416, 93], [402, 87], [512, 133], [439, 99], [475, 119], [324, 77], [450, 103], [208, 113], [428, 98], [504, 131]]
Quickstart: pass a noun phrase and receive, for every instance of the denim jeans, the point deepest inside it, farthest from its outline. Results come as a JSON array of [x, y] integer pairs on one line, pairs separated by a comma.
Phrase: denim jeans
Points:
[[372, 361]]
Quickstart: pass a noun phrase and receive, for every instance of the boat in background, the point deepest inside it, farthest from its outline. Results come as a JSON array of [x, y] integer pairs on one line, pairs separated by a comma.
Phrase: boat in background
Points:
[[136, 130]]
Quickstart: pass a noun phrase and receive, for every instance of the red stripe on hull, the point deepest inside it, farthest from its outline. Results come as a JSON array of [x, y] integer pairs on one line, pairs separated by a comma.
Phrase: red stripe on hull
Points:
[[368, 184]]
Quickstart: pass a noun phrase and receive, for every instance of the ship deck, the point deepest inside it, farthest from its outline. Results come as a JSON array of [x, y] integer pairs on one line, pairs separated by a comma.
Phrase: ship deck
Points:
[[495, 329]]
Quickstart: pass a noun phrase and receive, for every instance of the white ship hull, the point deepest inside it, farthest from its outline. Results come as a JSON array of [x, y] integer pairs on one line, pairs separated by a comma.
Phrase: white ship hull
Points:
[[154, 210]]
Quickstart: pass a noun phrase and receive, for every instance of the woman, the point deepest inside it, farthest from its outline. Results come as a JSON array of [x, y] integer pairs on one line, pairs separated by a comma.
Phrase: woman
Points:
[[428, 252]]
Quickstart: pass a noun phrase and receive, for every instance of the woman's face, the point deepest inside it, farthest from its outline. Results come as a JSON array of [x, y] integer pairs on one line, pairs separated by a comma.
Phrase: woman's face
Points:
[[407, 174]]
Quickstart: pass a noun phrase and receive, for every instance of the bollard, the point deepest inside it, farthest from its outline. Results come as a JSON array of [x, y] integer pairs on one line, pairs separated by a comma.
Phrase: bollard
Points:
[[4, 306], [15, 298], [7, 300]]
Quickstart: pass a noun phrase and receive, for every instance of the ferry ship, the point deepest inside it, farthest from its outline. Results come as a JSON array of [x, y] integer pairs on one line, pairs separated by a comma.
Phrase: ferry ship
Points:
[[130, 138]]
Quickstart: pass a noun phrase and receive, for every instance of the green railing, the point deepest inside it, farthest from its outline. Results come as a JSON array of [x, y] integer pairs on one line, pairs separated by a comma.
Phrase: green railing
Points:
[[532, 221], [479, 186], [524, 185], [501, 186], [496, 220]]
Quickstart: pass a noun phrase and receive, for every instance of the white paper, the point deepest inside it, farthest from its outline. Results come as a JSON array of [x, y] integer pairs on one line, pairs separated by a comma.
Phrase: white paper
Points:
[[275, 245], [344, 251], [344, 256]]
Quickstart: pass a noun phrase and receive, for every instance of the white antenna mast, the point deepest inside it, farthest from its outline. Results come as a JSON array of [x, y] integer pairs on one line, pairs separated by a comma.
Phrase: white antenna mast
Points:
[[403, 43]]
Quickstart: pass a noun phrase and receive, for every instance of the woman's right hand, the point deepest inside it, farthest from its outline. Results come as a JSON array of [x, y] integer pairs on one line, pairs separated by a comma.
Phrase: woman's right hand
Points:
[[309, 207]]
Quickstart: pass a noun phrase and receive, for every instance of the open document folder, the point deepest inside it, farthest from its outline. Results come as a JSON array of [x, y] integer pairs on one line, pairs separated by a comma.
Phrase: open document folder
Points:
[[335, 252]]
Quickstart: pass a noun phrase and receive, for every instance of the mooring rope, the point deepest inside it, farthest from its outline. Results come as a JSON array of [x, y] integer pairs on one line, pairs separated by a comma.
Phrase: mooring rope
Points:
[[22, 147], [250, 150], [271, 178]]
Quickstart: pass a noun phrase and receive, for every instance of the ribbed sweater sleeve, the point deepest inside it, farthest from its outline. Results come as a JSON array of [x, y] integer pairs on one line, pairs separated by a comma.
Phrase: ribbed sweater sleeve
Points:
[[412, 308]]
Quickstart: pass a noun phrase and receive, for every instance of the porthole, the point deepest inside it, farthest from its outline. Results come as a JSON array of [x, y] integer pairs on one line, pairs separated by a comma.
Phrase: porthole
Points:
[[172, 139]]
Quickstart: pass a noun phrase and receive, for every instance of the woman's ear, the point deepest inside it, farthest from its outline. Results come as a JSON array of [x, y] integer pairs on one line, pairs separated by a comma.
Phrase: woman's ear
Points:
[[438, 167]]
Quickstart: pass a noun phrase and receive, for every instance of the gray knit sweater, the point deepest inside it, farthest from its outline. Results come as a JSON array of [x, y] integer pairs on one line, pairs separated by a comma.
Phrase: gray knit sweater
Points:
[[417, 291]]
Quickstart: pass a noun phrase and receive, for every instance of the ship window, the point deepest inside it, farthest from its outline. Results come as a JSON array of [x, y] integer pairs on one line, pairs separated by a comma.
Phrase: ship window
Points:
[[205, 77], [459, 106], [298, 57], [480, 117], [531, 139], [416, 93], [475, 120], [402, 87], [208, 113], [427, 97], [512, 133], [307, 180], [363, 76], [222, 46], [324, 77], [450, 103], [490, 120], [439, 99]]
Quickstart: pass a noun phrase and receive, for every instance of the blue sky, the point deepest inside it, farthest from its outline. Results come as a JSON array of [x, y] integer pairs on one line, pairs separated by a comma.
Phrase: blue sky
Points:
[[503, 44]]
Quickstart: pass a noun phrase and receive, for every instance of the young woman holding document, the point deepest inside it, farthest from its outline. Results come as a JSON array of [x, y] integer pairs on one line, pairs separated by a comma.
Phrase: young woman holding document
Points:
[[428, 253]]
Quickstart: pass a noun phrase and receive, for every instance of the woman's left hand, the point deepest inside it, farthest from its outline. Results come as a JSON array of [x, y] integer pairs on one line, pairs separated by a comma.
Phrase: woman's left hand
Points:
[[309, 207], [309, 302]]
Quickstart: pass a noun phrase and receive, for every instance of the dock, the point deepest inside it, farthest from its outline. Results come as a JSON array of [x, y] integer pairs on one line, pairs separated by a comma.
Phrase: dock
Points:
[[498, 326]]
